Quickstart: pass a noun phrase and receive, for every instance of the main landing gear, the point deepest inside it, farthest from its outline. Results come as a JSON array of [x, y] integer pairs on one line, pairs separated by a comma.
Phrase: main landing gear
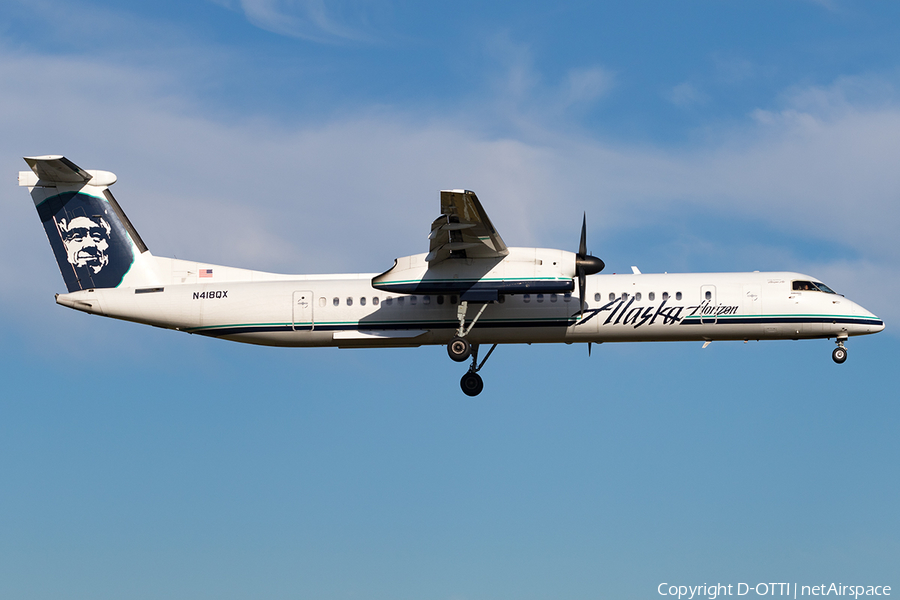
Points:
[[460, 349], [840, 353]]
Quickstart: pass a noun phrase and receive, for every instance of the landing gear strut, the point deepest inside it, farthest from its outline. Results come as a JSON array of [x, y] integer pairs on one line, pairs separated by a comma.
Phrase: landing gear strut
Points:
[[459, 348], [840, 353], [471, 383]]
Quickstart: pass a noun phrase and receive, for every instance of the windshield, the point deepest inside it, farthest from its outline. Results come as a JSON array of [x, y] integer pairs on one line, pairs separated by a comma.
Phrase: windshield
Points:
[[823, 287], [811, 286]]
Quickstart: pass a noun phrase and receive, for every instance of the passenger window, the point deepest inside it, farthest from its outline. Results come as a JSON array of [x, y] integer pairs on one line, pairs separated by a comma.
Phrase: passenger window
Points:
[[625, 296], [651, 296], [637, 297], [501, 299], [665, 295], [552, 297], [597, 297], [612, 296], [400, 300], [440, 299], [526, 298], [362, 301], [452, 299], [540, 297], [567, 297], [708, 295], [426, 299], [337, 301], [375, 301], [678, 295], [388, 300], [321, 300], [413, 300], [349, 301]]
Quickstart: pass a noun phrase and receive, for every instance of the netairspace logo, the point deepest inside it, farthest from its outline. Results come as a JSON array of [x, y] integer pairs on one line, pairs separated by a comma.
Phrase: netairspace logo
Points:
[[770, 589]]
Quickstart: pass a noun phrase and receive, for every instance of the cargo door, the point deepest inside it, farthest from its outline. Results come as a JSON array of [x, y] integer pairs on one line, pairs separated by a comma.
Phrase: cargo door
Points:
[[303, 311], [751, 302]]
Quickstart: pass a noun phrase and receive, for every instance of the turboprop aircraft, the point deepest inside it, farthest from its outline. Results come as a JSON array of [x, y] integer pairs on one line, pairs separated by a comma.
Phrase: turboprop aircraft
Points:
[[470, 289]]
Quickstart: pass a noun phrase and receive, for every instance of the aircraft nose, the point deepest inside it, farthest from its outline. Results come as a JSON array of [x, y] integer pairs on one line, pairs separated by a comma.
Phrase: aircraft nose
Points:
[[873, 323]]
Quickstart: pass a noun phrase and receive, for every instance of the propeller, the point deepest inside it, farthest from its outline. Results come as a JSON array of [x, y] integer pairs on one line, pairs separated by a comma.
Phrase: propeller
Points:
[[585, 264]]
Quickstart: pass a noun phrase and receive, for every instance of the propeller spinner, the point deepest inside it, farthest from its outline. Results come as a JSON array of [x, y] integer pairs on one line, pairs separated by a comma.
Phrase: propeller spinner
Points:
[[585, 264]]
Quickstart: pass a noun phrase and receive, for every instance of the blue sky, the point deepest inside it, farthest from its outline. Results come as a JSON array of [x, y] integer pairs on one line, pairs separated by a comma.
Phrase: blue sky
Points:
[[314, 137]]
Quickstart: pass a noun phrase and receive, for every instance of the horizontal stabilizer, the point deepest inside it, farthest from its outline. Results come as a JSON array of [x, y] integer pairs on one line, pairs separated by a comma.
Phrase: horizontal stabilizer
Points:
[[59, 170]]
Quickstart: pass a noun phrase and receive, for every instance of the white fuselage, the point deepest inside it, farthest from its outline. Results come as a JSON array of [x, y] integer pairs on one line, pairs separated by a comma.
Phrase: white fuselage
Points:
[[346, 311]]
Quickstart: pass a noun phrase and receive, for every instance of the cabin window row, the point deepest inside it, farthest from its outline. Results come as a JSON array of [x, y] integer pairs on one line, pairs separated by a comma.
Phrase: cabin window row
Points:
[[651, 296], [389, 300], [428, 299]]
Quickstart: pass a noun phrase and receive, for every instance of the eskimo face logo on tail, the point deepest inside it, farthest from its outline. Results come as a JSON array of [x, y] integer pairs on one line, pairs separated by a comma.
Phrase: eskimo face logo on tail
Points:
[[90, 243], [87, 242]]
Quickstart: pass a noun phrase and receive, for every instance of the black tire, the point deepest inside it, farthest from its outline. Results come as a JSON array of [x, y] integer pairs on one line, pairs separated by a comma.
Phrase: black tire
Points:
[[839, 355], [471, 384], [459, 349]]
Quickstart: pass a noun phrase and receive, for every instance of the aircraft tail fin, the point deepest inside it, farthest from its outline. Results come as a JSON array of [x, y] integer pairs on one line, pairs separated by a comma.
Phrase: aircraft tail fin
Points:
[[95, 244]]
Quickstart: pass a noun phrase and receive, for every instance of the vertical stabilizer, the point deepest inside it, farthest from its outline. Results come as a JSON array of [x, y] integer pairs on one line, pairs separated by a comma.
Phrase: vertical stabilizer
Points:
[[94, 242]]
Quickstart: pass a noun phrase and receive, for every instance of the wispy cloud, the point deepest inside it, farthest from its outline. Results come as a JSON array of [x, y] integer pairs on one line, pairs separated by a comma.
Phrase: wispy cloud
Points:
[[587, 85], [521, 96], [686, 95], [311, 20]]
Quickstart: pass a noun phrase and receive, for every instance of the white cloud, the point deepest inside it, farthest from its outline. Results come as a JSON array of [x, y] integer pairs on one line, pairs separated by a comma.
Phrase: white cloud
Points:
[[353, 193]]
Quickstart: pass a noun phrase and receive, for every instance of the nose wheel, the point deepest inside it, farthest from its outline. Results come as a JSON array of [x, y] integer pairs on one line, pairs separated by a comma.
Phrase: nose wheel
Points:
[[840, 353]]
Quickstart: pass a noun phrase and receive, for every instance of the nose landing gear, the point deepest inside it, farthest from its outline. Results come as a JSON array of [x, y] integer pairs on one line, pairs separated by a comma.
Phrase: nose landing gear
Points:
[[840, 353], [471, 383]]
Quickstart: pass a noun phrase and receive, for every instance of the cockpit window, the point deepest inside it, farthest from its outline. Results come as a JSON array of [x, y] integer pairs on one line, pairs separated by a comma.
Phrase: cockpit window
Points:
[[811, 286]]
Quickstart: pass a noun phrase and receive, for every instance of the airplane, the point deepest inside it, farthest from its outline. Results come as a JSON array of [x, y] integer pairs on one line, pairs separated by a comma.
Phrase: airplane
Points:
[[469, 290]]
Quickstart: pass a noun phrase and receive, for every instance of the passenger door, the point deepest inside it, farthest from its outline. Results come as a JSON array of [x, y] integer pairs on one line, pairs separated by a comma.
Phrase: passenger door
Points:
[[708, 299]]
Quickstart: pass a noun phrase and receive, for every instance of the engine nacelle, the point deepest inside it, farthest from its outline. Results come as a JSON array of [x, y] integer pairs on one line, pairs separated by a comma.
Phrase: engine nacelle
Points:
[[523, 270]]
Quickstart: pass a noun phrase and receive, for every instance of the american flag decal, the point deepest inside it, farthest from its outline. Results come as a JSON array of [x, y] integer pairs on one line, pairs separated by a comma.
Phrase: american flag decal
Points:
[[205, 272]]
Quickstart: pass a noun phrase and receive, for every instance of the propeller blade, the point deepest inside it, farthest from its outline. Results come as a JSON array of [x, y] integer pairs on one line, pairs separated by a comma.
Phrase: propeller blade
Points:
[[585, 264], [582, 283], [582, 246]]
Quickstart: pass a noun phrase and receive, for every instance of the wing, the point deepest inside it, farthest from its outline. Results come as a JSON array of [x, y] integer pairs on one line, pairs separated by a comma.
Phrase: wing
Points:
[[463, 230]]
